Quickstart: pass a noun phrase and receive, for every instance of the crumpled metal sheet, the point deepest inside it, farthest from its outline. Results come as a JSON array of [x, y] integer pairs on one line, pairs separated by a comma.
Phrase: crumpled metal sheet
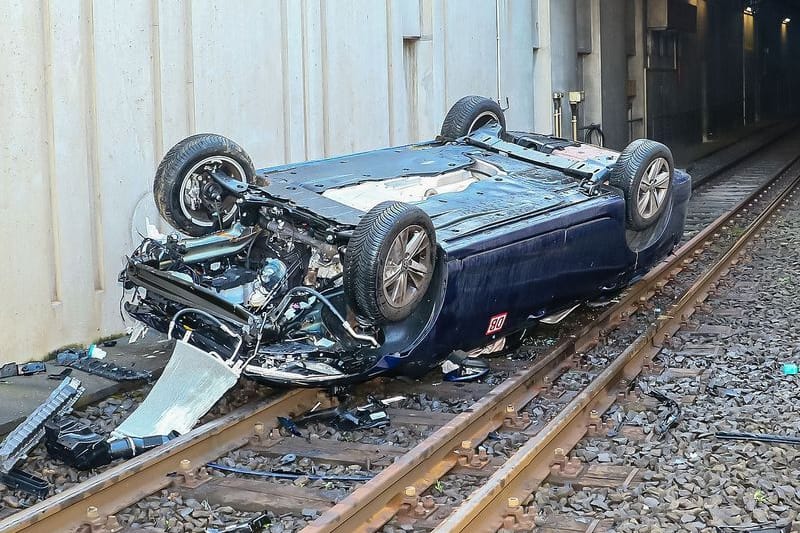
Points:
[[190, 385]]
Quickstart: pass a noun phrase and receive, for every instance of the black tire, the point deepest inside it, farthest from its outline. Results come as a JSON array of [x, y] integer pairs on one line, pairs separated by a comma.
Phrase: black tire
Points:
[[469, 114], [368, 257], [177, 167], [631, 173]]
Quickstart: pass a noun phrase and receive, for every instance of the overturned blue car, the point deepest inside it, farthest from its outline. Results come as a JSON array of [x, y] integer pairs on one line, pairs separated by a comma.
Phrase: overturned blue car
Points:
[[335, 271]]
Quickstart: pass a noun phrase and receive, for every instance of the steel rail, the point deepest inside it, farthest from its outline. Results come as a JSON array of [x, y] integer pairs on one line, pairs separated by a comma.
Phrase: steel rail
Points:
[[377, 501], [743, 155], [129, 482], [499, 496]]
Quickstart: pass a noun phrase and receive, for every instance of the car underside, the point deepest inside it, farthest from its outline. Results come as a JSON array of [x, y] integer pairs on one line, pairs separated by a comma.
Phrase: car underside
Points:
[[334, 271]]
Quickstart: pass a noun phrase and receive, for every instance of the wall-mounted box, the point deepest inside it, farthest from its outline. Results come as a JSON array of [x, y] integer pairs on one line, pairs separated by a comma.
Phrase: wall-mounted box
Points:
[[676, 15]]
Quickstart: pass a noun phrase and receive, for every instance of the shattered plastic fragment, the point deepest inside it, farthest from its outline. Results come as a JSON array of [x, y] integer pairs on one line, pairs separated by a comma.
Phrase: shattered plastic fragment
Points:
[[30, 432], [96, 352]]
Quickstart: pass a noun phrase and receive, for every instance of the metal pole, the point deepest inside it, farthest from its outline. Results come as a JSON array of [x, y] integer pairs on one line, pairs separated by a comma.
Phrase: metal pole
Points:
[[497, 45], [574, 109], [557, 96]]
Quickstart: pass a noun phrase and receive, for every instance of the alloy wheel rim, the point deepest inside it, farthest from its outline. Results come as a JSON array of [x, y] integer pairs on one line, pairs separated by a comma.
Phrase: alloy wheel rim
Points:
[[196, 179], [407, 266], [653, 188]]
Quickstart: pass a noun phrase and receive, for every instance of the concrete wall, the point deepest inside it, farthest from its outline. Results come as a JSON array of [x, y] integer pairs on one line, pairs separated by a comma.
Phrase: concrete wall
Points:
[[95, 92]]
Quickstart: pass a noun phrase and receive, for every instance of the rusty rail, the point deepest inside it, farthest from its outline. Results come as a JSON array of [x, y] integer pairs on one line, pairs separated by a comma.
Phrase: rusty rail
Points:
[[129, 482], [499, 497], [377, 501], [373, 504]]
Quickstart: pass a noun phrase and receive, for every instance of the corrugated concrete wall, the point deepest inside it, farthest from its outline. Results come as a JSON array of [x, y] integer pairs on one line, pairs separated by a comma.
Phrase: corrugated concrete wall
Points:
[[93, 93]]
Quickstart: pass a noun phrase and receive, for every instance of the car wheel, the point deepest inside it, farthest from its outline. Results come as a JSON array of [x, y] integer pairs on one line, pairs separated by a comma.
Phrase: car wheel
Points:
[[469, 114], [389, 261], [644, 173], [185, 193]]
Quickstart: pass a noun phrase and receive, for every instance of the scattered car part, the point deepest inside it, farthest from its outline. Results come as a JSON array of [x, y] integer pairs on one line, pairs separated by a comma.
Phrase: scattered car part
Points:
[[25, 436], [460, 367], [285, 475], [109, 370], [757, 437], [191, 383], [76, 444], [251, 526], [31, 430], [18, 479], [555, 318], [674, 409], [67, 357], [288, 424], [370, 416], [25, 369], [61, 375]]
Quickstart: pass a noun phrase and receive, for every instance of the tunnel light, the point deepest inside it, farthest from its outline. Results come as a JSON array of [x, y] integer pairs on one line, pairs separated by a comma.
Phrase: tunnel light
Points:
[[787, 20]]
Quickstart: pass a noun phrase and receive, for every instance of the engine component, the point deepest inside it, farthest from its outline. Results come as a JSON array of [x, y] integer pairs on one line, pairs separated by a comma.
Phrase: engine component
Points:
[[271, 282], [234, 276]]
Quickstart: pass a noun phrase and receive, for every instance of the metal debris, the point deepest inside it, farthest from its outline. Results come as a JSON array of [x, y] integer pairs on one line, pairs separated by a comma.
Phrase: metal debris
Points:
[[285, 475], [251, 526], [757, 437]]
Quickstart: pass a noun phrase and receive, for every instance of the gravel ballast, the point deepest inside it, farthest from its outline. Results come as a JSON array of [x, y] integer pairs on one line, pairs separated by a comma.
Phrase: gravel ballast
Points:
[[693, 481]]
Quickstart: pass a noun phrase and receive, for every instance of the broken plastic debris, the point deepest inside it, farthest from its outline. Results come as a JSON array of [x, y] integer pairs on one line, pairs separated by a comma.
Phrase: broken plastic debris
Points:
[[370, 416], [460, 367], [137, 332], [67, 357], [30, 431], [96, 352], [110, 371], [26, 369]]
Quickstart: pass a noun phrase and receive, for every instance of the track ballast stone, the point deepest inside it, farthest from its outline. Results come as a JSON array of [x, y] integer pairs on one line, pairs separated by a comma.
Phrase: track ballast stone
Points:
[[692, 481]]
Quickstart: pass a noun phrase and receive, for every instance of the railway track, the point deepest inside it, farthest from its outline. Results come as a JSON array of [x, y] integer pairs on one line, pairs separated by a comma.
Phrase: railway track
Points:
[[398, 492]]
